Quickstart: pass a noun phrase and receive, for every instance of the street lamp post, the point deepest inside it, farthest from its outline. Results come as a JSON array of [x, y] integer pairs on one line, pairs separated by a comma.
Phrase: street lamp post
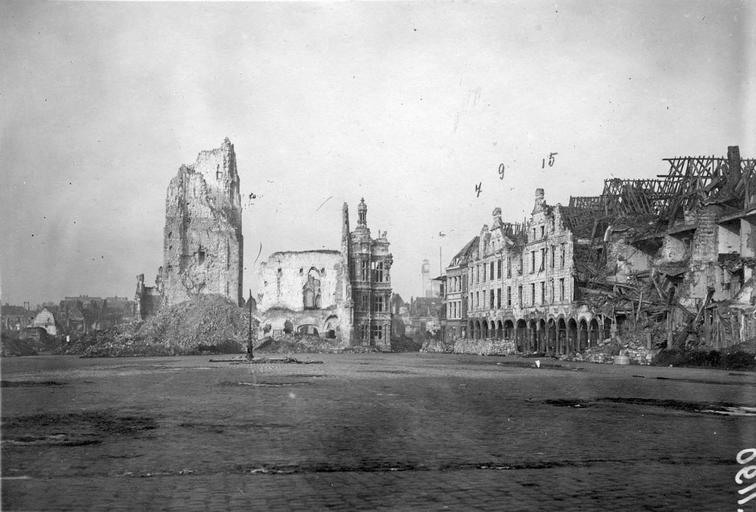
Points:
[[250, 348]]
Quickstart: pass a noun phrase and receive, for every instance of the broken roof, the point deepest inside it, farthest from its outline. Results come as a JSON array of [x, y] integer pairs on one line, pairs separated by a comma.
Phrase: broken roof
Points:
[[464, 255]]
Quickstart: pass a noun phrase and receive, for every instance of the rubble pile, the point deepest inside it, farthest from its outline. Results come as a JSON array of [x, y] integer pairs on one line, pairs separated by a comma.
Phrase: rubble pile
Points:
[[406, 344], [605, 352], [303, 344], [13, 346], [436, 345], [206, 324]]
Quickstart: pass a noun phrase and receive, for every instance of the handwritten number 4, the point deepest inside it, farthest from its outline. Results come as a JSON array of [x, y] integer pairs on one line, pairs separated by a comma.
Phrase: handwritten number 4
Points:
[[478, 189]]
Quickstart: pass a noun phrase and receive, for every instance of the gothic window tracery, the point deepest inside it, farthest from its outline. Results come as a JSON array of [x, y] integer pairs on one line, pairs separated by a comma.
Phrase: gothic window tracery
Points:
[[311, 290]]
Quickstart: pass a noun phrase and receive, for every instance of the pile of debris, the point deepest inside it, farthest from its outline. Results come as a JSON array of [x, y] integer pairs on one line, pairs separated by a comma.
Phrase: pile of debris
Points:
[[12, 345], [295, 343], [207, 324], [406, 344], [608, 349], [436, 345]]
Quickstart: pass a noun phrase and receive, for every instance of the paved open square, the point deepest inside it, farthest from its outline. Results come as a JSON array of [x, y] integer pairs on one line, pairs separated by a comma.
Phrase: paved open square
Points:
[[369, 432]]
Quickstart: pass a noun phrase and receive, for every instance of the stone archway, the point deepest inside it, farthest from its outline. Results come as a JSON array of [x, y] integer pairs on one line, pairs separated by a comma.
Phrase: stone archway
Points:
[[582, 334], [499, 330], [593, 333], [508, 330], [561, 343], [531, 342], [330, 327], [541, 344], [308, 329], [521, 334], [572, 333], [484, 327], [288, 327], [551, 336]]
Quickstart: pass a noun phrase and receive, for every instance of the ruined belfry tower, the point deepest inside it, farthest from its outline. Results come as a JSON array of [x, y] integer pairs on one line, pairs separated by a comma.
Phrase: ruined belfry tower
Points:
[[203, 244]]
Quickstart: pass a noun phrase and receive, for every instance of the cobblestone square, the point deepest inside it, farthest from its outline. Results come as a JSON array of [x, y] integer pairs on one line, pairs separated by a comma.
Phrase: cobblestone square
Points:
[[369, 432]]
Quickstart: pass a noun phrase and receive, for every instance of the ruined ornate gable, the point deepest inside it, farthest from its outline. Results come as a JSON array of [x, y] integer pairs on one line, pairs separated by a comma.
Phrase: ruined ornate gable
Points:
[[203, 242]]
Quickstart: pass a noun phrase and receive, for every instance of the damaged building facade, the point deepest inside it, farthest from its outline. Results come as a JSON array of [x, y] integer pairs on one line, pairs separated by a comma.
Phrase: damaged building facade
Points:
[[202, 238], [669, 259], [342, 295]]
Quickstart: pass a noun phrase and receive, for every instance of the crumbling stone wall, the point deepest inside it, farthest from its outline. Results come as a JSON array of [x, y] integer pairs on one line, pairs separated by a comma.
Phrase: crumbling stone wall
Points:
[[302, 293], [487, 347], [147, 298], [287, 276], [203, 243]]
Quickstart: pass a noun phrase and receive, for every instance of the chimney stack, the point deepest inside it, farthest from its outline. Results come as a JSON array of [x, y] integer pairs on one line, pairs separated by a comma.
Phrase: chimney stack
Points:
[[539, 201]]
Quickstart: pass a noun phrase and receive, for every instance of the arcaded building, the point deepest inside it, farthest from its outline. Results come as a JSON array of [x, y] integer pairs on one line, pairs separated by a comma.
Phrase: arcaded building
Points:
[[513, 284], [665, 262], [202, 242], [342, 295]]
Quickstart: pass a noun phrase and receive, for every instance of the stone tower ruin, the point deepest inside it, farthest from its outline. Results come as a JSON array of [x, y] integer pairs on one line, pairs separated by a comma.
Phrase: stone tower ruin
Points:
[[203, 244]]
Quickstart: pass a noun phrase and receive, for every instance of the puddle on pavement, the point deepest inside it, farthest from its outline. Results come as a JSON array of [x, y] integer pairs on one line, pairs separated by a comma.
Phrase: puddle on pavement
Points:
[[72, 429], [220, 428], [705, 381], [30, 383], [577, 404], [719, 408], [263, 384], [395, 372]]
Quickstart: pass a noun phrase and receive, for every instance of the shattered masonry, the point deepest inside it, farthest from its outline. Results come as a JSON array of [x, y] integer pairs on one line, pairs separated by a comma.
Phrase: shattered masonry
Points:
[[203, 243], [669, 259], [342, 295]]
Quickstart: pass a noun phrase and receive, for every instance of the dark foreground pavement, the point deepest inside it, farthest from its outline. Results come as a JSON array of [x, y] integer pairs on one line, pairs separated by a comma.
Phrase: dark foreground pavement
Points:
[[369, 432]]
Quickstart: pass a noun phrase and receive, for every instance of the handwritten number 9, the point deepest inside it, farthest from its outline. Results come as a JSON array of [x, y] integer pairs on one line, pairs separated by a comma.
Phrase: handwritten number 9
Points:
[[502, 167], [740, 456], [748, 472]]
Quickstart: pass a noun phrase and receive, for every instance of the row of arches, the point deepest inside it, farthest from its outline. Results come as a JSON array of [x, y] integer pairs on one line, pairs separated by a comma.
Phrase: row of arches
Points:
[[558, 336], [328, 329]]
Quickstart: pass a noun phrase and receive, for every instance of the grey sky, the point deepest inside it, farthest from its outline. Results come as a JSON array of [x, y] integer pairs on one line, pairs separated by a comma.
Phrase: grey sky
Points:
[[408, 105]]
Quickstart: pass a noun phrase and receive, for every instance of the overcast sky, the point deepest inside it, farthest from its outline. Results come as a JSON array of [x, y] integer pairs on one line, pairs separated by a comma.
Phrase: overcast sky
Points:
[[408, 105]]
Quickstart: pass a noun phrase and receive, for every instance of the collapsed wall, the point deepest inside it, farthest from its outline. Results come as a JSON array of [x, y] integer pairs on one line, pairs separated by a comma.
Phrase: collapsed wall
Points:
[[302, 293]]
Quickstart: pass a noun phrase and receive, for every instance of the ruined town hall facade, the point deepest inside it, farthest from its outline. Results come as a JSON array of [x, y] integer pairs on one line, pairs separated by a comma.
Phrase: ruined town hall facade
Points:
[[342, 295]]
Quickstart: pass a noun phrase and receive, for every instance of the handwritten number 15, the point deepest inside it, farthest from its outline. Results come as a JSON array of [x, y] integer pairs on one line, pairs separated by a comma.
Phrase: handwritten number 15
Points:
[[550, 161]]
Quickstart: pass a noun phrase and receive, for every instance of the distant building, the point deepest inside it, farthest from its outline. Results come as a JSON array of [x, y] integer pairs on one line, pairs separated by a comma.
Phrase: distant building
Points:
[[15, 318], [85, 314], [46, 321], [454, 324], [424, 317]]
